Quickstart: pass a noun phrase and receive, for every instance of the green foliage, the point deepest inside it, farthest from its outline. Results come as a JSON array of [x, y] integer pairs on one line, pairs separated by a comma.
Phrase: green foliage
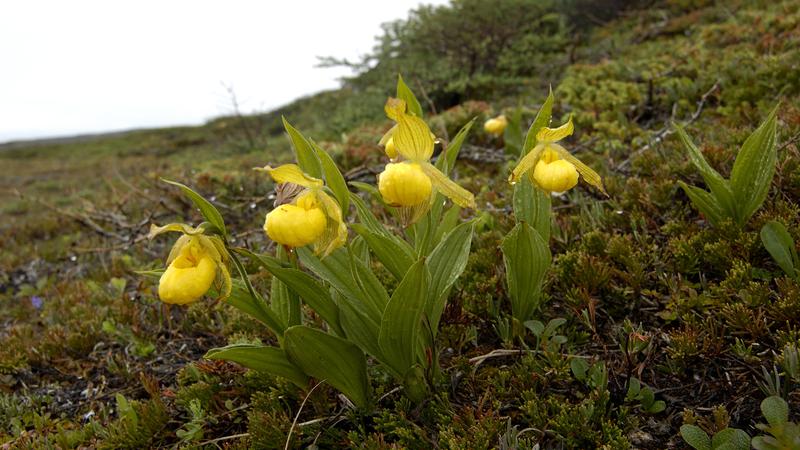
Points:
[[469, 49], [710, 300], [782, 434], [137, 425], [725, 439], [645, 396], [331, 359], [738, 198], [780, 245], [527, 258], [209, 212]]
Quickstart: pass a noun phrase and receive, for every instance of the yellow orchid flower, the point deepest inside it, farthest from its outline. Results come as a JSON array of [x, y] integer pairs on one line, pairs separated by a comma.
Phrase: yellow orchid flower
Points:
[[195, 262], [554, 168], [410, 183], [312, 218], [387, 141], [496, 125]]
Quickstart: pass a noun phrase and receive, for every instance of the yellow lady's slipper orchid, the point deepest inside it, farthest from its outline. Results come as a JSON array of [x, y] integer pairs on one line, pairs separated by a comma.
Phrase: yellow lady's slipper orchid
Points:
[[312, 218], [195, 262], [411, 182], [496, 125], [387, 141], [404, 184], [554, 174], [296, 225], [554, 168]]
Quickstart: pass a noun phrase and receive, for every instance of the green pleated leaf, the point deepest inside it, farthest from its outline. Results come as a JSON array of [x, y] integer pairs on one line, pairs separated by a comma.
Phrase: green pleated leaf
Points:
[[368, 188], [360, 329], [446, 263], [399, 336], [333, 178], [780, 245], [272, 360], [302, 284], [254, 306], [372, 290], [720, 188], [209, 212], [542, 120], [305, 154], [448, 221], [705, 202], [696, 437], [335, 269], [754, 168], [404, 93], [334, 360], [447, 163], [532, 205], [393, 254], [282, 300], [366, 217], [527, 258]]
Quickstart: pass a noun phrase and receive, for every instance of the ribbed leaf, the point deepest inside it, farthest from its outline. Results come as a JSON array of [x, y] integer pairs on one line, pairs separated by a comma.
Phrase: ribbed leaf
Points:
[[780, 245], [333, 177], [542, 120], [329, 358], [720, 187], [705, 202], [445, 264], [209, 212], [527, 258], [365, 215], [372, 290], [532, 205], [360, 329], [399, 337], [396, 257], [263, 359], [305, 154], [447, 163], [754, 168], [304, 285], [255, 307]]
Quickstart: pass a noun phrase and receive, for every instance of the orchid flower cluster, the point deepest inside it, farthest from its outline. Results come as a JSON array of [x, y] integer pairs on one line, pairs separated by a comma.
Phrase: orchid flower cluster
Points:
[[317, 264]]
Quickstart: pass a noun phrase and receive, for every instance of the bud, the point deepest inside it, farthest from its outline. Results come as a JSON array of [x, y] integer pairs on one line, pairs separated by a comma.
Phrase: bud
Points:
[[296, 225], [189, 276], [496, 126], [404, 184], [554, 174]]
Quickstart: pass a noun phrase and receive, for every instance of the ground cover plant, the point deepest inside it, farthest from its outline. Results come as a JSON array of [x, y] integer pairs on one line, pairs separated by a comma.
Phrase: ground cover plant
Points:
[[635, 287]]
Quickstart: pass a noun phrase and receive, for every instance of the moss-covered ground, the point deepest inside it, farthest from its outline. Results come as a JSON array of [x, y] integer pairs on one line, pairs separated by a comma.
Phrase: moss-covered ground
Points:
[[647, 288]]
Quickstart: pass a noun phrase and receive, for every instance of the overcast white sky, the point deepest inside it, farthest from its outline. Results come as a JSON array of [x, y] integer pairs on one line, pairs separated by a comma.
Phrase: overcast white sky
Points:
[[70, 67]]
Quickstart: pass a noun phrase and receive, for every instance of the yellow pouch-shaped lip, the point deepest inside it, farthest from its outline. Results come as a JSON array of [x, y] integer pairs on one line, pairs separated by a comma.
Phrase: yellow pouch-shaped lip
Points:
[[295, 226], [404, 184], [188, 277]]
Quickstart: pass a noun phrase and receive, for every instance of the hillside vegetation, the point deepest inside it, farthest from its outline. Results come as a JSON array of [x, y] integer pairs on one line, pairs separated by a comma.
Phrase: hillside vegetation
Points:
[[652, 317]]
